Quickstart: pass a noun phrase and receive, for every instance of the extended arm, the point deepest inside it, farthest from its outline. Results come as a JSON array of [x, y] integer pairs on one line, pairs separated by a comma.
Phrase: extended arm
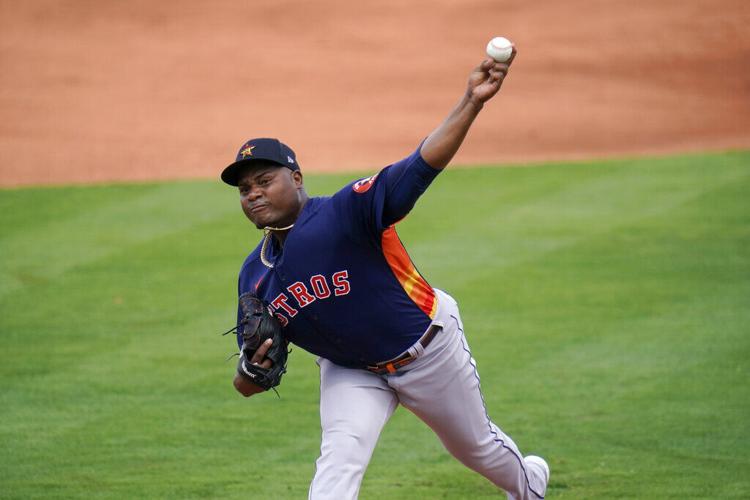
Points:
[[406, 180], [484, 82]]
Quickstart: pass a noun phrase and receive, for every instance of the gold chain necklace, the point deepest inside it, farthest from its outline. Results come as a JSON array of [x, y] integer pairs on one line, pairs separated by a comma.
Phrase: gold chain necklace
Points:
[[266, 237]]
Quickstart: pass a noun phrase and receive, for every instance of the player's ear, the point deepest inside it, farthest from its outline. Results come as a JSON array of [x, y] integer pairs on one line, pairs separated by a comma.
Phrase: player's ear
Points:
[[297, 178]]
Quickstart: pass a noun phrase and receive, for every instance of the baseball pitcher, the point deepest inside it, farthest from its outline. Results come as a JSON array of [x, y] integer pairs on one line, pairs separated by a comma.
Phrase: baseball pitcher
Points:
[[331, 276]]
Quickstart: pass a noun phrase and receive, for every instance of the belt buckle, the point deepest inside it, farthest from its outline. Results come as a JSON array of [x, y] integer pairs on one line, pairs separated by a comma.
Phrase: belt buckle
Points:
[[394, 364], [391, 366], [374, 369]]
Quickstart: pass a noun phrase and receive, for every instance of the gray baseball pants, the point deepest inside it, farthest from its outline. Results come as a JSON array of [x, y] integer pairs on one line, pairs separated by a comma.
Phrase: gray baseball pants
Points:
[[441, 387]]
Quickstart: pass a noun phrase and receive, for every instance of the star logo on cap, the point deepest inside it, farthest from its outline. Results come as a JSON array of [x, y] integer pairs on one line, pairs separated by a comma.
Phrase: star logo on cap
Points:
[[248, 151]]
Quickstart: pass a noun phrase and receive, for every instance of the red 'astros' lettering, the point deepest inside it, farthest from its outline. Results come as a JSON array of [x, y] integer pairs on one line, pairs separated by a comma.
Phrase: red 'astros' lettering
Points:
[[304, 295]]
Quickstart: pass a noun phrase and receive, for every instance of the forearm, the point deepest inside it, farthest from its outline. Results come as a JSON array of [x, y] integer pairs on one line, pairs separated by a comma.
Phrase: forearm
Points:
[[441, 145], [484, 82]]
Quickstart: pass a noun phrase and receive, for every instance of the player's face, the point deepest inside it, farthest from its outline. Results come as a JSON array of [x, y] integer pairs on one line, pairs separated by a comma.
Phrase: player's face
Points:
[[271, 195]]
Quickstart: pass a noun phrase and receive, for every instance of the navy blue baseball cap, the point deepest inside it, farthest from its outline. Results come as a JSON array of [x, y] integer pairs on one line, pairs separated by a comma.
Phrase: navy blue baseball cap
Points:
[[266, 149]]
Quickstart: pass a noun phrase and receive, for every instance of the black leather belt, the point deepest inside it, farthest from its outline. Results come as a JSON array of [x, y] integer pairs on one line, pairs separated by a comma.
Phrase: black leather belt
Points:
[[394, 364]]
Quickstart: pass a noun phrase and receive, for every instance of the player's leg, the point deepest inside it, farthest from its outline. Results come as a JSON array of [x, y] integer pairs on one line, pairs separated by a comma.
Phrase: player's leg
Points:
[[354, 407], [458, 416]]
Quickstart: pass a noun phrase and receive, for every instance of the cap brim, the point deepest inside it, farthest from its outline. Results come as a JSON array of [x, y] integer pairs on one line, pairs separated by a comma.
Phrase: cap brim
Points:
[[231, 174]]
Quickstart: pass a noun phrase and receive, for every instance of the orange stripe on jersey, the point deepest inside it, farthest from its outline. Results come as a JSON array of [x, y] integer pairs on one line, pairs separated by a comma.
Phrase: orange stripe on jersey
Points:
[[407, 275]]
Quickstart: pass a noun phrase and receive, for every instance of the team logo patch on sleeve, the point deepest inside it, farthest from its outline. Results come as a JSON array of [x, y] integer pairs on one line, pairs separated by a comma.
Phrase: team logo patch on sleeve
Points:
[[363, 185]]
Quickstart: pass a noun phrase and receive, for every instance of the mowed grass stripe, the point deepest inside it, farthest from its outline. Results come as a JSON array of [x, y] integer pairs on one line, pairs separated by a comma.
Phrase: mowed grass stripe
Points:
[[603, 303], [520, 217], [47, 231]]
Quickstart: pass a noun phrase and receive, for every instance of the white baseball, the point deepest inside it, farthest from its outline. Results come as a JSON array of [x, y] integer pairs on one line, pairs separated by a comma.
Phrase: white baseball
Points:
[[500, 49]]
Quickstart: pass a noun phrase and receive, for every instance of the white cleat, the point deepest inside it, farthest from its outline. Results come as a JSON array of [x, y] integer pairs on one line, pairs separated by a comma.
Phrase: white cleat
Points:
[[539, 463]]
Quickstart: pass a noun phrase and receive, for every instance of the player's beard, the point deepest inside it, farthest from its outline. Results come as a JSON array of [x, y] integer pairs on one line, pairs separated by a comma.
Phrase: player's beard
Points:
[[273, 222], [281, 213], [262, 218]]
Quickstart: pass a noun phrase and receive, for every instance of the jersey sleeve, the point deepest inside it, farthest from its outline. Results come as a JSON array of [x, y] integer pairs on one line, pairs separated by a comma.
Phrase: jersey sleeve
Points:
[[370, 205]]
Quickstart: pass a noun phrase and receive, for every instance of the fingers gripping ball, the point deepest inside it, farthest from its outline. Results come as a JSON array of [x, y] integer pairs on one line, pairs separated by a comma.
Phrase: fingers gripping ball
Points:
[[500, 49], [256, 326]]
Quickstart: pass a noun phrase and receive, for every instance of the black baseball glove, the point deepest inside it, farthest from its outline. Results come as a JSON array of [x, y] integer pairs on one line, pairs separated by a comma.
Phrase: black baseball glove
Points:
[[256, 326]]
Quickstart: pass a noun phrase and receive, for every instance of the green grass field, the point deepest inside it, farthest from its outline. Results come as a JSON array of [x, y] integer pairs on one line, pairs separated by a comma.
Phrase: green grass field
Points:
[[607, 305]]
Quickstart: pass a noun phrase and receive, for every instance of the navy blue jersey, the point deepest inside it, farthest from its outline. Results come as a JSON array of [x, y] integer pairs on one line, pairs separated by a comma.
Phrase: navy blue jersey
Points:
[[343, 286]]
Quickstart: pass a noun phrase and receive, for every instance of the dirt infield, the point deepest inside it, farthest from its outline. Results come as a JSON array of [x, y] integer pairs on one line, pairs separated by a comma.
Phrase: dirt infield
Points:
[[99, 91]]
